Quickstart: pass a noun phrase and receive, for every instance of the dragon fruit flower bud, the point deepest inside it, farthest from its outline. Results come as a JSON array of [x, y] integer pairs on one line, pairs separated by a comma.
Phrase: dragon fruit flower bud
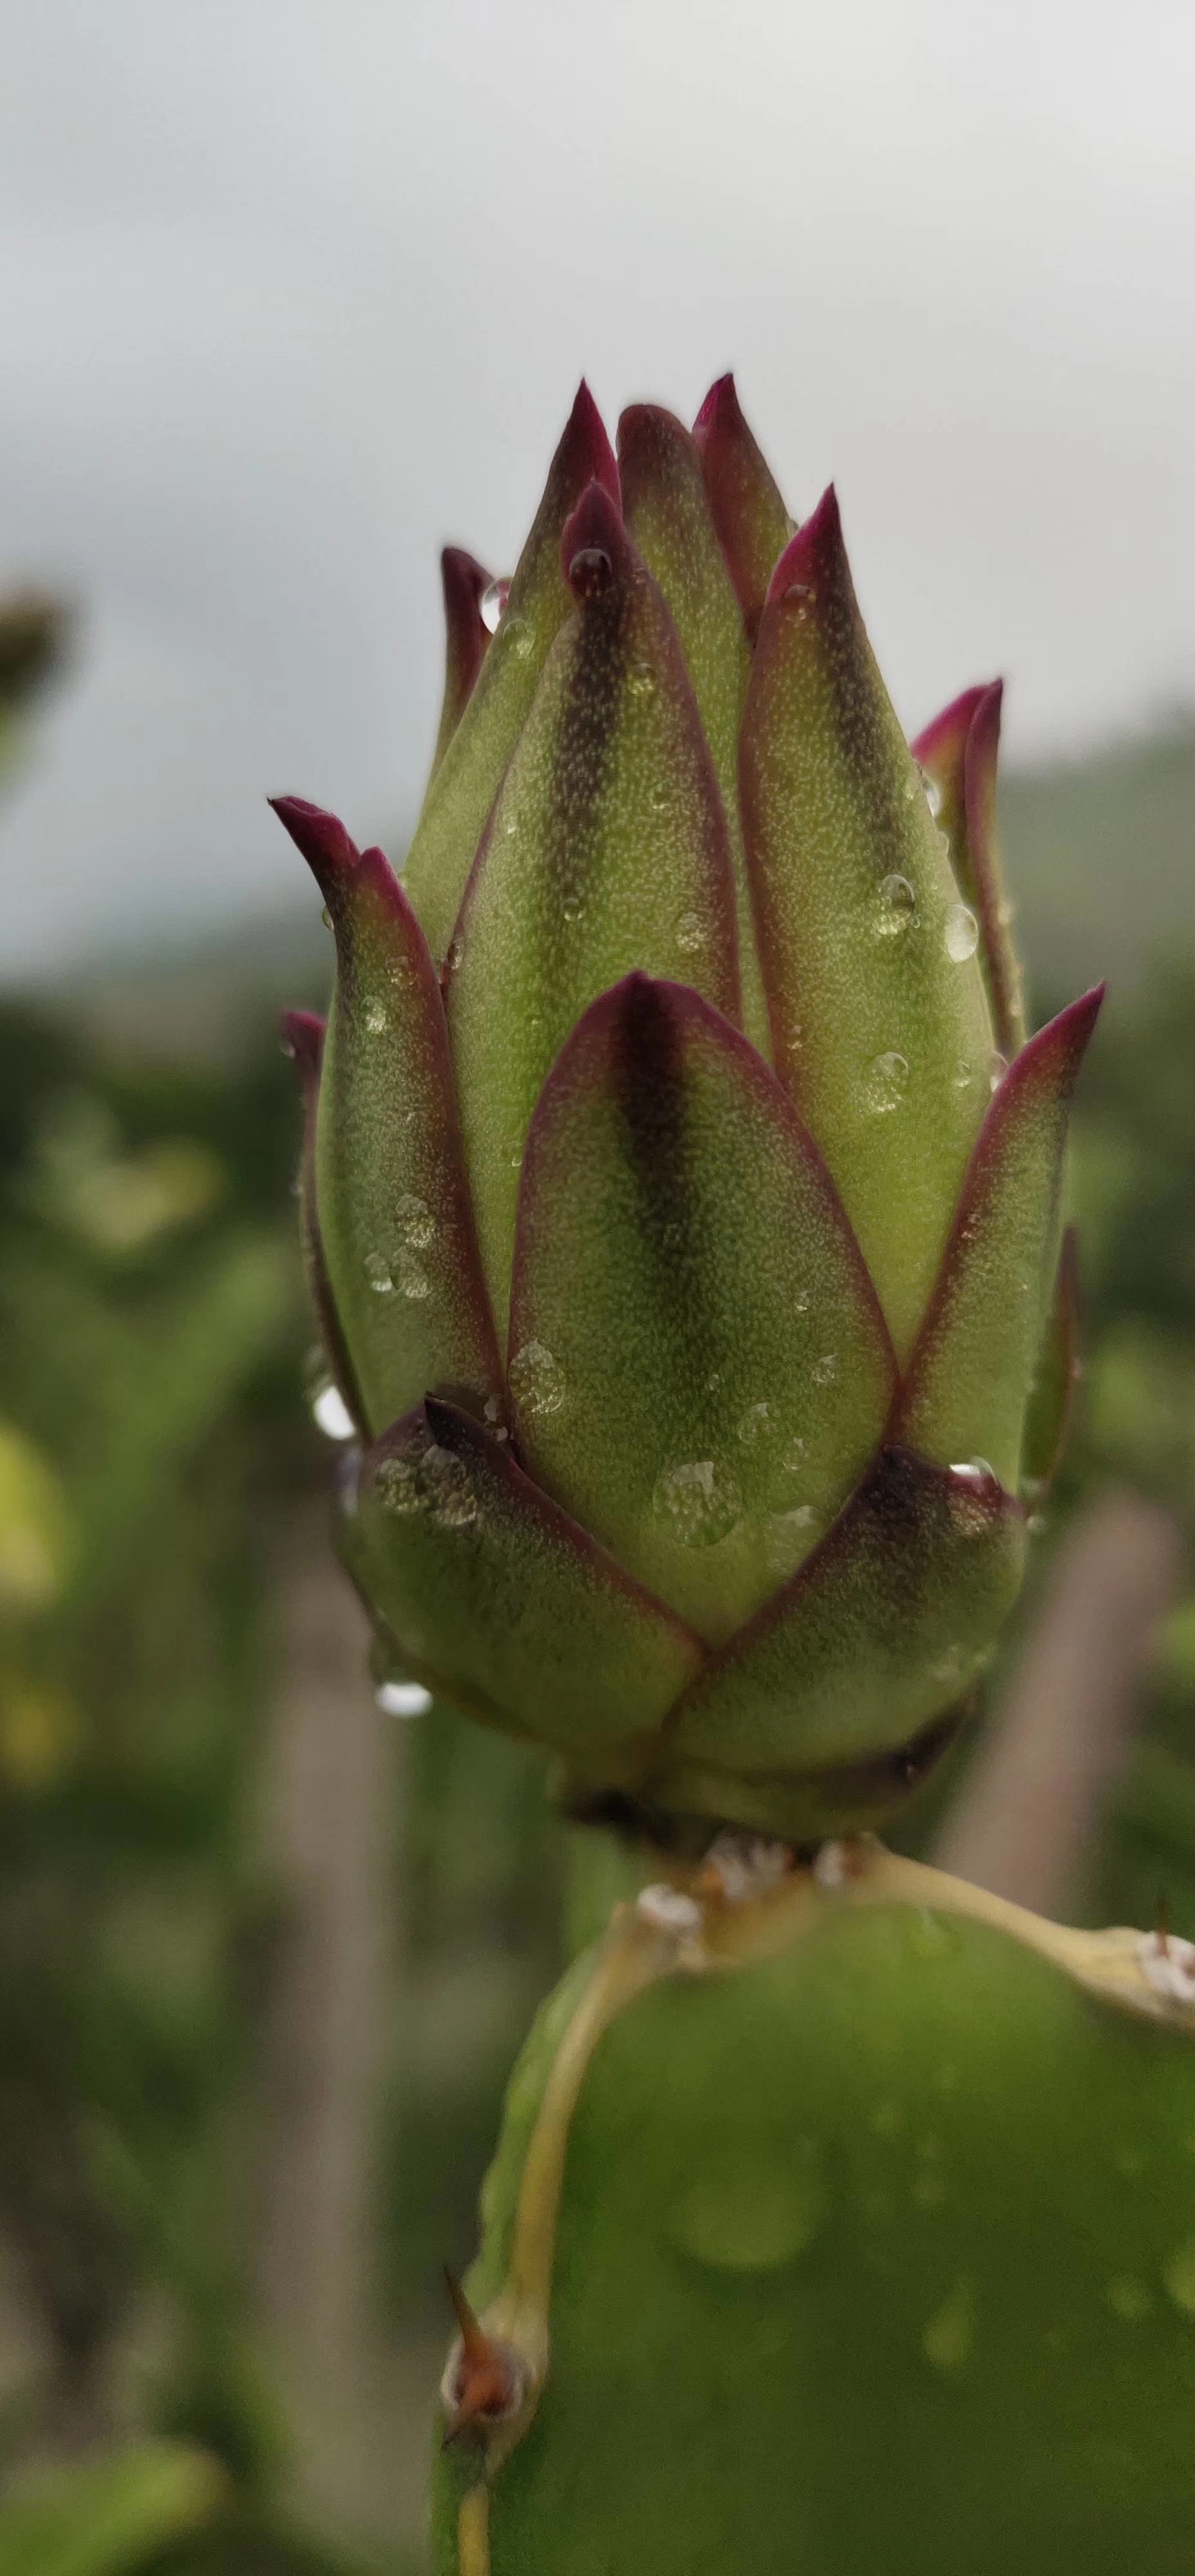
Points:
[[681, 1193]]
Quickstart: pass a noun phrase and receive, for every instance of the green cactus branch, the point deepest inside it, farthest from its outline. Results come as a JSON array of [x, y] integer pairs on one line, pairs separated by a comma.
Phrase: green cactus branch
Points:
[[690, 1927]]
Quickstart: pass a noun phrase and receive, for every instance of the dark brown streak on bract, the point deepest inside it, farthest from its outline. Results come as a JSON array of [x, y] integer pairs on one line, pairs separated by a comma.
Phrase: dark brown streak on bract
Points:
[[651, 1087]]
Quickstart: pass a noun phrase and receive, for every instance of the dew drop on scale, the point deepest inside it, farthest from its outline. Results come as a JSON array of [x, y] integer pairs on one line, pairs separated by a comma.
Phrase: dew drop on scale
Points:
[[697, 1501], [896, 903], [331, 1414], [960, 934], [537, 1380], [415, 1222], [492, 602], [402, 1699], [887, 1082]]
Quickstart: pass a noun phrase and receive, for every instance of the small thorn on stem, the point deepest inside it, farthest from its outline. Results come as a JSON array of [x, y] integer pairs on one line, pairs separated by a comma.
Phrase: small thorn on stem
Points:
[[482, 2384]]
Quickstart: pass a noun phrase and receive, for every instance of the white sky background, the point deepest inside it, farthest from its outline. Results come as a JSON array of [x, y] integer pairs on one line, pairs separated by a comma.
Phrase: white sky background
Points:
[[291, 291]]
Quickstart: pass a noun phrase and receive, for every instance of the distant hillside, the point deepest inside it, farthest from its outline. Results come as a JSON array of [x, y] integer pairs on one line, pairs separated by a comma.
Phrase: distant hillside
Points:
[[1100, 855], [1101, 862]]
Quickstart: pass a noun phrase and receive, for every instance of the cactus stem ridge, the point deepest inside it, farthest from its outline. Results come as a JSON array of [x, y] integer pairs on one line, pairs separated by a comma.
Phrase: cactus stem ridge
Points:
[[639, 1947], [473, 2532]]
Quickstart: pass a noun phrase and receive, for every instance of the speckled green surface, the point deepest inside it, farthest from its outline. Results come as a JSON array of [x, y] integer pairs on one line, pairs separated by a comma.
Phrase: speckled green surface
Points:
[[877, 2257]]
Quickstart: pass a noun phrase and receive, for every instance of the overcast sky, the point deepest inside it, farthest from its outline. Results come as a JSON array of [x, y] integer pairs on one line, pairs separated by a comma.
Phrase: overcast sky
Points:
[[291, 291]]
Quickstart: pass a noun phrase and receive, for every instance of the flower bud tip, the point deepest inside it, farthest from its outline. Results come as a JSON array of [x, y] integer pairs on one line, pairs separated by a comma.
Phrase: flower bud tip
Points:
[[813, 553], [321, 839]]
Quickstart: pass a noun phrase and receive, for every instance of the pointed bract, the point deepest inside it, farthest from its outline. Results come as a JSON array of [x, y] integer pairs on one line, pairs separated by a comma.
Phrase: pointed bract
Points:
[[752, 523], [466, 638], [608, 851], [877, 1636], [971, 1372], [464, 787], [393, 1209], [880, 1026], [669, 517], [303, 1036], [488, 1585], [673, 1211], [958, 753]]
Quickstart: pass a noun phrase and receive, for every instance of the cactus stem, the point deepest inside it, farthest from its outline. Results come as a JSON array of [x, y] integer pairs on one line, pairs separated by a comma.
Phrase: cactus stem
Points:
[[757, 1903]]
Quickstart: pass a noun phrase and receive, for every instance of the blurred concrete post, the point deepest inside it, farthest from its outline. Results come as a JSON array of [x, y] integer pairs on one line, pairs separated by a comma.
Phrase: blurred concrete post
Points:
[[1033, 1798], [328, 1838]]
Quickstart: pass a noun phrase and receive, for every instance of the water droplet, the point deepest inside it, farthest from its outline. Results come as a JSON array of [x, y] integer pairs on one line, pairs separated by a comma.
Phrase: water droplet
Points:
[[896, 903], [402, 1699], [933, 794], [572, 907], [590, 572], [794, 1457], [375, 1019], [750, 2212], [800, 1301], [331, 1413], [960, 934], [492, 1408], [754, 1425], [948, 1669], [492, 602], [415, 1222], [786, 1536], [802, 596], [326, 917], [912, 785], [887, 1080], [714, 1379], [963, 1075], [997, 1068], [397, 1486], [974, 1497], [409, 1274], [449, 1496], [1178, 2277], [537, 1380], [1129, 2299], [825, 1370], [518, 635], [975, 1472], [510, 826], [641, 680], [949, 2337], [377, 1271], [698, 1501], [690, 931], [454, 956], [658, 797]]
